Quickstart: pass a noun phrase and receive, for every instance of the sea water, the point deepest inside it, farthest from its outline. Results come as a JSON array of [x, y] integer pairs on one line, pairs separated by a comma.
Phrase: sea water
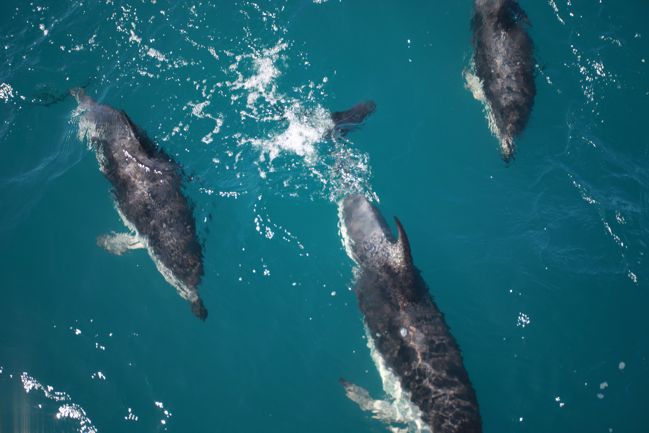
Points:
[[538, 265]]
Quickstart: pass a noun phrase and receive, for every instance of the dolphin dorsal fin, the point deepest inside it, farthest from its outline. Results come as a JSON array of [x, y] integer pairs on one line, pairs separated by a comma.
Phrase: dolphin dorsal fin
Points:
[[402, 243]]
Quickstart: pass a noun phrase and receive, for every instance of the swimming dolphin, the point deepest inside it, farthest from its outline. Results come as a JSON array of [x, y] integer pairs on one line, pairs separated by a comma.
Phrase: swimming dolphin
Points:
[[349, 120], [504, 63], [147, 187], [410, 341]]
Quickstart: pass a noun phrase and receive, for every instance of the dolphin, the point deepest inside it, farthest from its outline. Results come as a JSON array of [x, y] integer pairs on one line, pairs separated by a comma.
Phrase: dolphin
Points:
[[413, 347], [147, 188], [351, 119], [504, 64]]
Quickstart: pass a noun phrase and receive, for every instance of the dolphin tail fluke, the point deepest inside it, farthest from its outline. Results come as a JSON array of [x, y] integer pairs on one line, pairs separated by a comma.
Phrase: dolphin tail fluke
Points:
[[199, 309]]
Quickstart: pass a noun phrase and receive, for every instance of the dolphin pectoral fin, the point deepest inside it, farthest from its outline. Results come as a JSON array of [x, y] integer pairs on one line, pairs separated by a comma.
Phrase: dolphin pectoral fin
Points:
[[473, 84], [119, 243], [381, 409]]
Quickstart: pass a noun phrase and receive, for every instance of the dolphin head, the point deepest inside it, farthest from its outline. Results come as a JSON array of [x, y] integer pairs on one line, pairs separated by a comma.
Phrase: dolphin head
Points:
[[79, 94], [367, 238], [362, 225], [366, 107], [348, 120], [494, 4]]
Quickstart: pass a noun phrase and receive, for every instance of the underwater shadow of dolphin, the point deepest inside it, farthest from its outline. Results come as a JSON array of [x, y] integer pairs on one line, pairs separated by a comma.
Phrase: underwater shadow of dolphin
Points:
[[353, 118]]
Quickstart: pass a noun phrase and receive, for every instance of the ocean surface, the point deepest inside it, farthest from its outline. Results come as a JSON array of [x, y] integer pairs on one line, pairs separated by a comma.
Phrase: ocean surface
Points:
[[540, 266]]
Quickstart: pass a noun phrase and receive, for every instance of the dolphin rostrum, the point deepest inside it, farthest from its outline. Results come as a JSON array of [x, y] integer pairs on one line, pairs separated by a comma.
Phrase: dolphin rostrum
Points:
[[147, 187], [504, 64], [412, 346]]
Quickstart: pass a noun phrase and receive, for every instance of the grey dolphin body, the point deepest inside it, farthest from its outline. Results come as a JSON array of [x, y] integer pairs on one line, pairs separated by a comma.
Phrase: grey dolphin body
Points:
[[503, 58], [147, 187], [408, 329]]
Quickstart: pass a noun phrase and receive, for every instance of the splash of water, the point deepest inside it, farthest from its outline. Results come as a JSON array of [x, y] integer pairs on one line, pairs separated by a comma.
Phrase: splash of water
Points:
[[67, 410], [294, 137]]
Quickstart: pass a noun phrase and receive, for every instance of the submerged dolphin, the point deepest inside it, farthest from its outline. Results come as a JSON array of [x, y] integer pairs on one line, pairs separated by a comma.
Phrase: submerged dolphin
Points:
[[147, 187], [412, 345], [504, 63], [349, 120]]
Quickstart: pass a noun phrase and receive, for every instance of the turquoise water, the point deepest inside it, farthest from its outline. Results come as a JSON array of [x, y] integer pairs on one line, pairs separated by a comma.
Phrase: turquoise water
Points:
[[539, 266]]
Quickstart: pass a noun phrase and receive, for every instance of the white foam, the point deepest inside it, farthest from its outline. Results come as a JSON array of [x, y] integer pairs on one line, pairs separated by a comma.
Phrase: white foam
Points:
[[30, 384], [68, 410], [594, 75], [6, 92], [583, 192], [265, 72], [98, 375], [349, 173], [166, 414], [293, 125], [198, 111], [303, 133], [633, 277], [152, 52], [134, 37], [87, 129], [130, 416], [523, 320], [344, 235], [555, 8], [267, 228]]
